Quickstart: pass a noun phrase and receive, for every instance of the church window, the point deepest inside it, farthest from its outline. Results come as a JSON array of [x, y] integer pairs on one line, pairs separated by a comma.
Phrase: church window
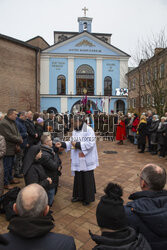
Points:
[[85, 26], [162, 69], [61, 85], [85, 80], [108, 86]]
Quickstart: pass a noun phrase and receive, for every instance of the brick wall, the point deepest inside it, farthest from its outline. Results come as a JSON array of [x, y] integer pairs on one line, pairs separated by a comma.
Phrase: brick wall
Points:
[[38, 42], [17, 77]]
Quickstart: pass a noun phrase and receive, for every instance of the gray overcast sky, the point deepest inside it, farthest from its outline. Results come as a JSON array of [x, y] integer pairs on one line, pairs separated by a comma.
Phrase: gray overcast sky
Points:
[[127, 20]]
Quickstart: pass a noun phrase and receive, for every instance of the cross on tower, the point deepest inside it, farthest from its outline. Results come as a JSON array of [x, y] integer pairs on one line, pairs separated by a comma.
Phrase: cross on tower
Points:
[[85, 9]]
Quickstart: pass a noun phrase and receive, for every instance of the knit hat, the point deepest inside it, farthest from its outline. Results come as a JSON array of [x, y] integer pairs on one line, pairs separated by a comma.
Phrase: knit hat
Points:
[[39, 120], [110, 210]]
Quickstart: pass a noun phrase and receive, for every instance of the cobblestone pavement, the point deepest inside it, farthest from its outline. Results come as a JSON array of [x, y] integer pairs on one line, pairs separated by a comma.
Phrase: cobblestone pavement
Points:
[[122, 167]]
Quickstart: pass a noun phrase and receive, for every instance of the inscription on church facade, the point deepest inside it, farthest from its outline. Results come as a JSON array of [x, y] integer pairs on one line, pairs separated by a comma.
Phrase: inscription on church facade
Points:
[[85, 50], [110, 67], [58, 65]]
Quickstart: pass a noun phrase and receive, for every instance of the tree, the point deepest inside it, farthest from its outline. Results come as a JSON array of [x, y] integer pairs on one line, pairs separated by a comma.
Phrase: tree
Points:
[[146, 47], [151, 57]]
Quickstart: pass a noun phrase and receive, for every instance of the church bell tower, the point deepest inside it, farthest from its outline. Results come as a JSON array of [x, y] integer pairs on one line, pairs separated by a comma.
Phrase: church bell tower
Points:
[[85, 22]]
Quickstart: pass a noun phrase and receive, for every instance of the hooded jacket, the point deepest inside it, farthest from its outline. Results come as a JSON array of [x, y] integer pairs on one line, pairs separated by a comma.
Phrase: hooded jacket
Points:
[[147, 213], [34, 234], [125, 239], [33, 171]]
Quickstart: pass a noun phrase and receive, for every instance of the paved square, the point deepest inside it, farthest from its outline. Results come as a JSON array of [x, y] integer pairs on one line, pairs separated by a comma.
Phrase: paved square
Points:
[[122, 168]]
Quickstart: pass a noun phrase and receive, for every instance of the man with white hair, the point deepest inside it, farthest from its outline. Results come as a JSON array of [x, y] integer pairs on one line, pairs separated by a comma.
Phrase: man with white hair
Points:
[[31, 228], [147, 212]]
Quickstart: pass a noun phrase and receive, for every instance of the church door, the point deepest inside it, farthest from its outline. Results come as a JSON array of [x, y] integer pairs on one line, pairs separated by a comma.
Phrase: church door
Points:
[[120, 106]]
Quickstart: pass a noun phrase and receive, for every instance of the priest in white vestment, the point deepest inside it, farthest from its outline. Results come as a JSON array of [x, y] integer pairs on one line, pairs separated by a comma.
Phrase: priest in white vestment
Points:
[[84, 159]]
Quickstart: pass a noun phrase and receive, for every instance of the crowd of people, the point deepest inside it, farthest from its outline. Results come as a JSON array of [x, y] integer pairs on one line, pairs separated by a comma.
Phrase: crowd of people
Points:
[[30, 148], [148, 131]]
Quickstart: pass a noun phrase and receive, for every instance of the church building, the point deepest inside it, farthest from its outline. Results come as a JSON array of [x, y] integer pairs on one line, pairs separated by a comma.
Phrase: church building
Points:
[[83, 65]]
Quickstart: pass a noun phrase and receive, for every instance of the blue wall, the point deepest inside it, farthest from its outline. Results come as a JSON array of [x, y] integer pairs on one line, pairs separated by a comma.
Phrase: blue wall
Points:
[[71, 101], [48, 102], [78, 62], [57, 66], [111, 68]]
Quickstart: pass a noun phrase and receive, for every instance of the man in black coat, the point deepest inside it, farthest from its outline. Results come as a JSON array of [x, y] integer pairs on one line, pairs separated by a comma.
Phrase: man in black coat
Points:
[[20, 123], [147, 212], [149, 121], [50, 162], [31, 228], [32, 134]]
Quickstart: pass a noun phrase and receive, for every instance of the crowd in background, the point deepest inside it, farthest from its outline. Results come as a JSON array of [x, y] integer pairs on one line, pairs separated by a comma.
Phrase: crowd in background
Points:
[[149, 132]]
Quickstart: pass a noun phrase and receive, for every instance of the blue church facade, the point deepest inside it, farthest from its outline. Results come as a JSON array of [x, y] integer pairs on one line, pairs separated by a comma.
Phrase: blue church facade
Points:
[[83, 64]]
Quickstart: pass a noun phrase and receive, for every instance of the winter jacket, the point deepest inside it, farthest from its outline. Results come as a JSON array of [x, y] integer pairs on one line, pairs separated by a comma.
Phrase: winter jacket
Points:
[[161, 133], [2, 153], [135, 124], [153, 131], [11, 134], [50, 163], [2, 147], [147, 213], [125, 239], [39, 129], [34, 234], [33, 171], [149, 121], [23, 131], [31, 132], [142, 132]]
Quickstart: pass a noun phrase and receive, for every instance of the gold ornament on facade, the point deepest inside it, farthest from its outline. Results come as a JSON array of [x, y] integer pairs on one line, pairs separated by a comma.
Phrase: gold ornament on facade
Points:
[[85, 43]]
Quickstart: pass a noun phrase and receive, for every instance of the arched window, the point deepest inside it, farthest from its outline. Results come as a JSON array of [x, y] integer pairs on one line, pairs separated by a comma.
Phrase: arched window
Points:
[[85, 80], [108, 86], [61, 85]]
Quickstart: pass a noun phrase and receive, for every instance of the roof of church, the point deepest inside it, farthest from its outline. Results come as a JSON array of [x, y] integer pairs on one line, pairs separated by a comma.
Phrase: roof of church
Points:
[[78, 33], [14, 40]]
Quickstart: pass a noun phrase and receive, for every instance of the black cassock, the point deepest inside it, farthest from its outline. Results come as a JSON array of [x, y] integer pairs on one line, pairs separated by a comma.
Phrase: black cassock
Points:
[[84, 186]]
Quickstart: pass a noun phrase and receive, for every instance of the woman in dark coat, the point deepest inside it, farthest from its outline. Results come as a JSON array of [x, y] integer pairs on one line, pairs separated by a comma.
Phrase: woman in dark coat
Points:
[[33, 171], [142, 132], [153, 131], [161, 136]]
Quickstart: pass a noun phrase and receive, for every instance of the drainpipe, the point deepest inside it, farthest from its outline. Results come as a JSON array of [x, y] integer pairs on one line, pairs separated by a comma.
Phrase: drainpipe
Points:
[[37, 80]]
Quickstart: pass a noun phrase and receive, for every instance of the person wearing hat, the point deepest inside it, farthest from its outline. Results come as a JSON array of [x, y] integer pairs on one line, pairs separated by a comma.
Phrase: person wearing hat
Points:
[[112, 221], [84, 159]]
